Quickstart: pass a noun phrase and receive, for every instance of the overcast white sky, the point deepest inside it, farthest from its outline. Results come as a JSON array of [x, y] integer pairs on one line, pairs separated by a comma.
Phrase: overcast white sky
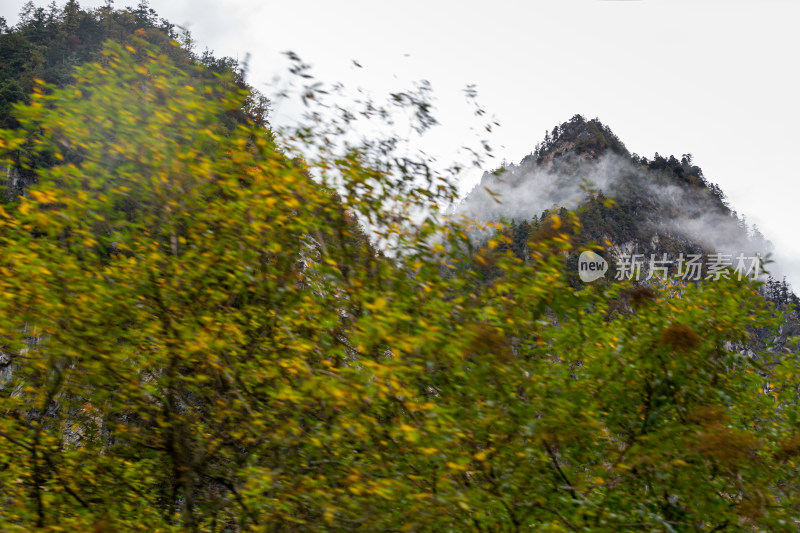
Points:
[[715, 78]]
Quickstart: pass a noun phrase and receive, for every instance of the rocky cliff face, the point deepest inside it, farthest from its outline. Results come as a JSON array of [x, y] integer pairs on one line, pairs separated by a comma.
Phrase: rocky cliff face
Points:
[[11, 183]]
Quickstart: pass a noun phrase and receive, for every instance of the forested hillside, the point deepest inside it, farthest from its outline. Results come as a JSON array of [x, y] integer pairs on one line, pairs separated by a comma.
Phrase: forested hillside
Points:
[[197, 334], [626, 204], [48, 43]]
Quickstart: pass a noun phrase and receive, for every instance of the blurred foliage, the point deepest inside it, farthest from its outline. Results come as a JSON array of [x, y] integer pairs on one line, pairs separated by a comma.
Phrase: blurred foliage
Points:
[[197, 336], [48, 43]]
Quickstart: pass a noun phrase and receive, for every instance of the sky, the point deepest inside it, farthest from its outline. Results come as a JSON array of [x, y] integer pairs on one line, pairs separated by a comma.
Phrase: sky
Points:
[[714, 78]]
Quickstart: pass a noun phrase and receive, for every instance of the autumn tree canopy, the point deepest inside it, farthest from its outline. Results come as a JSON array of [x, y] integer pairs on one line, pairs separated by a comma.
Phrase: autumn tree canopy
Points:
[[197, 335]]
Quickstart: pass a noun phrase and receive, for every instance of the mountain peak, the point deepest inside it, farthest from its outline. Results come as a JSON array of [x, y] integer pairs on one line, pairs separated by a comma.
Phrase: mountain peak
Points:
[[586, 138]]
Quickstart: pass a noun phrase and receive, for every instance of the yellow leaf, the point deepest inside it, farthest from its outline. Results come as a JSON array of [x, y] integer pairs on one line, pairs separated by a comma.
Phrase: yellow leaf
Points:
[[377, 305]]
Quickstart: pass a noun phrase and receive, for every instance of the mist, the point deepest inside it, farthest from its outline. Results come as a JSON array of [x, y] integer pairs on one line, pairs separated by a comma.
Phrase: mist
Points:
[[669, 209]]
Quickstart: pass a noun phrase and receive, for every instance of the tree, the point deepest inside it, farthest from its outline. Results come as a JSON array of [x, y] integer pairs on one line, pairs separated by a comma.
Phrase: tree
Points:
[[48, 44], [198, 336]]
